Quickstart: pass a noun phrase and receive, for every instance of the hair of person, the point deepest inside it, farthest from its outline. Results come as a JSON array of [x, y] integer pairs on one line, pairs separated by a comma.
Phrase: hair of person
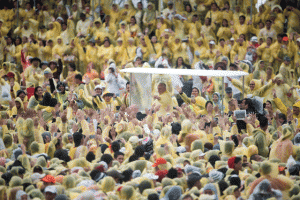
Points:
[[82, 15], [263, 121], [115, 146], [282, 116], [78, 76], [19, 92], [268, 21], [270, 38], [208, 103], [57, 143], [153, 196], [106, 39], [187, 196], [223, 185], [242, 16], [107, 158], [118, 153], [191, 183], [233, 65], [139, 151], [90, 156], [237, 160], [221, 65], [109, 134], [73, 66], [133, 17], [35, 91], [127, 175], [77, 137], [253, 157]]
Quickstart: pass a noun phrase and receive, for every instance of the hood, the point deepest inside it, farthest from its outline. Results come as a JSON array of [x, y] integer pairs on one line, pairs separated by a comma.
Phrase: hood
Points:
[[257, 132], [297, 139], [112, 65], [20, 101], [297, 104], [257, 84]]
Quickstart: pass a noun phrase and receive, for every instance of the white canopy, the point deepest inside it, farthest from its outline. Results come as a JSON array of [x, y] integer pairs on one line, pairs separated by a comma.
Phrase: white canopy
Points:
[[187, 72]]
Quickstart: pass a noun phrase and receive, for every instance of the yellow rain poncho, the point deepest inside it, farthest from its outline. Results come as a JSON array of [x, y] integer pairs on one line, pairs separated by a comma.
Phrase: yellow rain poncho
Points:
[[108, 184], [283, 147]]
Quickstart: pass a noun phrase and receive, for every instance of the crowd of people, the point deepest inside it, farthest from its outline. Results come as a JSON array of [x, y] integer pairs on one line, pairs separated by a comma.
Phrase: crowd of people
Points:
[[69, 129]]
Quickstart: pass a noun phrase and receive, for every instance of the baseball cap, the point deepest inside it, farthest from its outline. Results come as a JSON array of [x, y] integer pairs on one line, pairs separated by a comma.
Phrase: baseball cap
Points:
[[10, 75], [159, 161], [298, 40], [212, 42], [254, 39], [285, 39], [151, 176], [52, 189], [98, 87], [228, 90]]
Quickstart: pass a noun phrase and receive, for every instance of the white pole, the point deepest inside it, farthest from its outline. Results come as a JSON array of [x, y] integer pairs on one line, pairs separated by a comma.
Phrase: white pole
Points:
[[223, 88], [243, 86]]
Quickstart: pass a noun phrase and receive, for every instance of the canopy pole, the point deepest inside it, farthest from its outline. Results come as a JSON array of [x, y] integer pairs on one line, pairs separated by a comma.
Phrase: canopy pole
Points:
[[251, 9], [17, 13], [130, 99], [243, 86], [223, 88], [93, 10]]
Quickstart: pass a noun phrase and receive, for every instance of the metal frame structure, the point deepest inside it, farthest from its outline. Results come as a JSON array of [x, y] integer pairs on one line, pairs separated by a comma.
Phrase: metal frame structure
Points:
[[187, 72]]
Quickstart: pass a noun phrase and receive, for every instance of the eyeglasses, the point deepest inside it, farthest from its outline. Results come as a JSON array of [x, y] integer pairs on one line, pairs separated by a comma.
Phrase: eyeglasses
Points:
[[251, 84]]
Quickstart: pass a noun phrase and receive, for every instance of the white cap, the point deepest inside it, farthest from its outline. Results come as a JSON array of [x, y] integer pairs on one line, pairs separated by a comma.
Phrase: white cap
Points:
[[122, 150], [298, 40], [232, 39], [181, 149], [98, 87], [60, 19], [201, 153], [254, 39], [36, 177], [52, 189], [151, 176], [298, 79], [212, 42]]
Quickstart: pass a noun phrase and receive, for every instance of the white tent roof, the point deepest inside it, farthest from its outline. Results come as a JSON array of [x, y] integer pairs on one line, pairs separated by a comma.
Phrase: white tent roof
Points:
[[188, 72]]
